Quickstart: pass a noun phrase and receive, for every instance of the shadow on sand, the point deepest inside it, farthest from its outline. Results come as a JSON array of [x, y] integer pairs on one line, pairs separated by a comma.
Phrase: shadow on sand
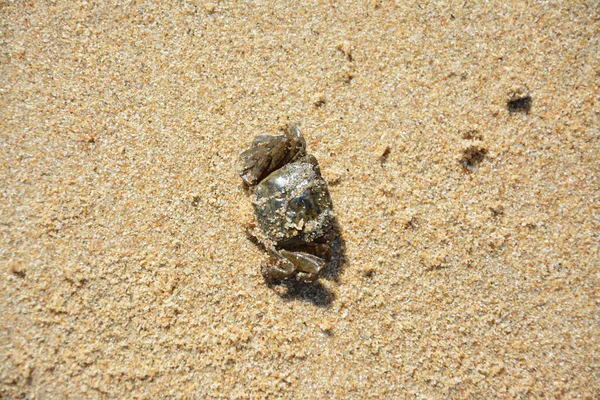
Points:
[[314, 292]]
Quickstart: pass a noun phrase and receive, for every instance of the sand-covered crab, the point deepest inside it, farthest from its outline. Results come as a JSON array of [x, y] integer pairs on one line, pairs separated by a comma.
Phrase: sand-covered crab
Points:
[[292, 205]]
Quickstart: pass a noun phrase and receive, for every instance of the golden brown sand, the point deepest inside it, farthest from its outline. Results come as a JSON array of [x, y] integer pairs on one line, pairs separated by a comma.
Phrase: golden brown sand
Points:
[[472, 244]]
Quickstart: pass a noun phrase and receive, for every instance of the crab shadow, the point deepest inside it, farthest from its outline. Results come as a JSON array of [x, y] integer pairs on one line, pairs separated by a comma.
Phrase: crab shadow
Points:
[[315, 292], [335, 267]]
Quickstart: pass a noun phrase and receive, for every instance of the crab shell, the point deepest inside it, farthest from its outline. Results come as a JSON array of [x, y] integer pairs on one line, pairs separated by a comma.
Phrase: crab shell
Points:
[[293, 205]]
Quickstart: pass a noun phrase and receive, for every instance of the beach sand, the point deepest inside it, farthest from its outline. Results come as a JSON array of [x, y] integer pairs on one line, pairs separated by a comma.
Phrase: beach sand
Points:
[[470, 227]]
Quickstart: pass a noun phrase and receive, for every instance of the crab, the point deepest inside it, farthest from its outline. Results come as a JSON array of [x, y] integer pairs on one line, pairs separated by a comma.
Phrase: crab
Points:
[[292, 205]]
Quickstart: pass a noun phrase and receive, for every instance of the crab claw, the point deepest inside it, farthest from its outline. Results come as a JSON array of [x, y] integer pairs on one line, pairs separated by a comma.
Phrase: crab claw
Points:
[[269, 153], [307, 265]]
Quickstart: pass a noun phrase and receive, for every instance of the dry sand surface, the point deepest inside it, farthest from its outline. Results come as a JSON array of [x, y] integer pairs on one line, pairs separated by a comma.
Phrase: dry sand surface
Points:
[[471, 231]]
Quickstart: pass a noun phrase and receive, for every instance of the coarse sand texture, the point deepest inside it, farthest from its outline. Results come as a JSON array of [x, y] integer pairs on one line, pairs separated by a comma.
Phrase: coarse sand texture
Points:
[[460, 141]]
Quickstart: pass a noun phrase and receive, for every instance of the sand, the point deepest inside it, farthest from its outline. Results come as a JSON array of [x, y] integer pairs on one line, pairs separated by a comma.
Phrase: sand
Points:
[[470, 230]]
